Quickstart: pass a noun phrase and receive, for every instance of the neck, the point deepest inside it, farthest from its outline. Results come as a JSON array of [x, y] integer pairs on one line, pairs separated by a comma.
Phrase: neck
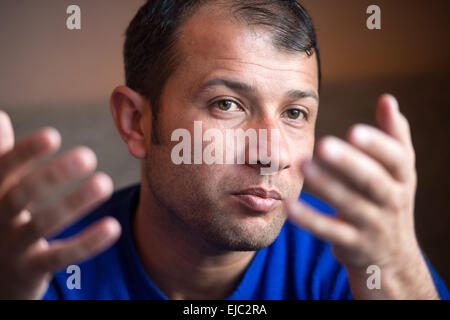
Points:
[[180, 263]]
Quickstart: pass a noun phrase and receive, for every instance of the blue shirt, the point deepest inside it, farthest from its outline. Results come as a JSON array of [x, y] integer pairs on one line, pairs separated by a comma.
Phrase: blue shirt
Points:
[[296, 266]]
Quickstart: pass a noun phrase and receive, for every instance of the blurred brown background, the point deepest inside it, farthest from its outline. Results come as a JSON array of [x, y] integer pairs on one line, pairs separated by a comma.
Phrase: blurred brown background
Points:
[[53, 76]]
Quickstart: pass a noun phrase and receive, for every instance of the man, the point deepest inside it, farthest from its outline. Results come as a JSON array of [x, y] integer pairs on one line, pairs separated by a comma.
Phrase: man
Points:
[[197, 230]]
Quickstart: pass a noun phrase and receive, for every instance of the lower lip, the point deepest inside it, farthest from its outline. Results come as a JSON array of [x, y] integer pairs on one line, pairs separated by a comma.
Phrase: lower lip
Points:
[[257, 203]]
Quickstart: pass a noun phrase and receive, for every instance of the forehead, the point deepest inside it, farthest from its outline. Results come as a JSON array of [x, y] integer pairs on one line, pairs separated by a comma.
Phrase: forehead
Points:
[[212, 41]]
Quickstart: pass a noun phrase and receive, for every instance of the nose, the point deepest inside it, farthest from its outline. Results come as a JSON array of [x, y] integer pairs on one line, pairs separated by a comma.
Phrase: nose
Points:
[[271, 153]]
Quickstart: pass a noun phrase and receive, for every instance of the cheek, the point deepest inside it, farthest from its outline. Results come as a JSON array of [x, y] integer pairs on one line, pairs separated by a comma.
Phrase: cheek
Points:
[[183, 179], [300, 150]]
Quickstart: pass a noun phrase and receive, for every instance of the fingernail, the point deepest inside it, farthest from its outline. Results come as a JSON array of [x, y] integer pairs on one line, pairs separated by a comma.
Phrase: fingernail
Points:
[[113, 227], [86, 158], [333, 150], [310, 170], [394, 103], [362, 136], [52, 138], [104, 183]]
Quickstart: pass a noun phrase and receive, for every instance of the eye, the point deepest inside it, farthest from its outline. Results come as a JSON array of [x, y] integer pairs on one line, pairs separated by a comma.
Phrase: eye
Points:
[[295, 114], [227, 105]]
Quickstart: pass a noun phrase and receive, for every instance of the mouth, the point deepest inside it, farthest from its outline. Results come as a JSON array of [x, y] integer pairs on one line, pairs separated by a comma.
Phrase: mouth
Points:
[[259, 199]]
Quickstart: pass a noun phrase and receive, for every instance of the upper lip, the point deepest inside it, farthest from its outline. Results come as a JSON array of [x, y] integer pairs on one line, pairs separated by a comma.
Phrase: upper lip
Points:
[[260, 192]]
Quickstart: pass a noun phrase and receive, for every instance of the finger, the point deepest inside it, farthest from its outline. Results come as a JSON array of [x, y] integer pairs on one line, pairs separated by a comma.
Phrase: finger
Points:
[[48, 221], [6, 133], [391, 121], [357, 168], [90, 242], [37, 185], [352, 207], [383, 148], [325, 227], [14, 163]]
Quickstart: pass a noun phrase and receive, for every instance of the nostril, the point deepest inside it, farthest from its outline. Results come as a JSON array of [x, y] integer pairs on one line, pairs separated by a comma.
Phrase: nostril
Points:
[[263, 164]]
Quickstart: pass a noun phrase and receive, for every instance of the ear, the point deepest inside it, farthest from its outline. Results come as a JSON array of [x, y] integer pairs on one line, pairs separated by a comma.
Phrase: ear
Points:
[[132, 114]]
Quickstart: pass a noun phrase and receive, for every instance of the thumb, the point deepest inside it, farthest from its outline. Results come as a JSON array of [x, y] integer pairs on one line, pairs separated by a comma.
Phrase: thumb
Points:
[[392, 122]]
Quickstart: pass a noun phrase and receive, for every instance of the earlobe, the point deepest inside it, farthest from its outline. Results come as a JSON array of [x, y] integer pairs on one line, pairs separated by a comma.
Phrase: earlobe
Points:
[[130, 112]]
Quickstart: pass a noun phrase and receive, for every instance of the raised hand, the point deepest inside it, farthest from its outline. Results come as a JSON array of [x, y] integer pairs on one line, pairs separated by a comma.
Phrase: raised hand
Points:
[[27, 259], [371, 180]]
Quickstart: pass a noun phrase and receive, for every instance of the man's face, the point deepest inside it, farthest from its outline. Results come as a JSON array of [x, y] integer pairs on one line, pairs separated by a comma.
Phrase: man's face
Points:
[[208, 200]]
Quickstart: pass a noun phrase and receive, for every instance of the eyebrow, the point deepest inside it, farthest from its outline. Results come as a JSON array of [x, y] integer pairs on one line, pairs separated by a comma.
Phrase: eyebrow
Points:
[[241, 86]]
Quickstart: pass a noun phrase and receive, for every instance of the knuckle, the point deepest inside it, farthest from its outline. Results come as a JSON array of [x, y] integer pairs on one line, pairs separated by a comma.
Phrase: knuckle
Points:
[[348, 202], [378, 226], [52, 176], [70, 203], [396, 201], [373, 184], [369, 213], [77, 199]]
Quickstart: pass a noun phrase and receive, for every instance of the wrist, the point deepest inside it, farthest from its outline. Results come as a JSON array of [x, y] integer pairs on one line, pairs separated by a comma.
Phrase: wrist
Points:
[[408, 280]]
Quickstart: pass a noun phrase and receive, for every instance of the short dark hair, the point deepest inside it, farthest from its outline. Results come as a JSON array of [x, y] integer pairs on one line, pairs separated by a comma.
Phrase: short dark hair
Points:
[[151, 37]]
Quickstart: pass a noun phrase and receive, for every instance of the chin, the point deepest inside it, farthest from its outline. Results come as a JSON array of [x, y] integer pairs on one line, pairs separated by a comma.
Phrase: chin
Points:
[[245, 245], [245, 236]]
